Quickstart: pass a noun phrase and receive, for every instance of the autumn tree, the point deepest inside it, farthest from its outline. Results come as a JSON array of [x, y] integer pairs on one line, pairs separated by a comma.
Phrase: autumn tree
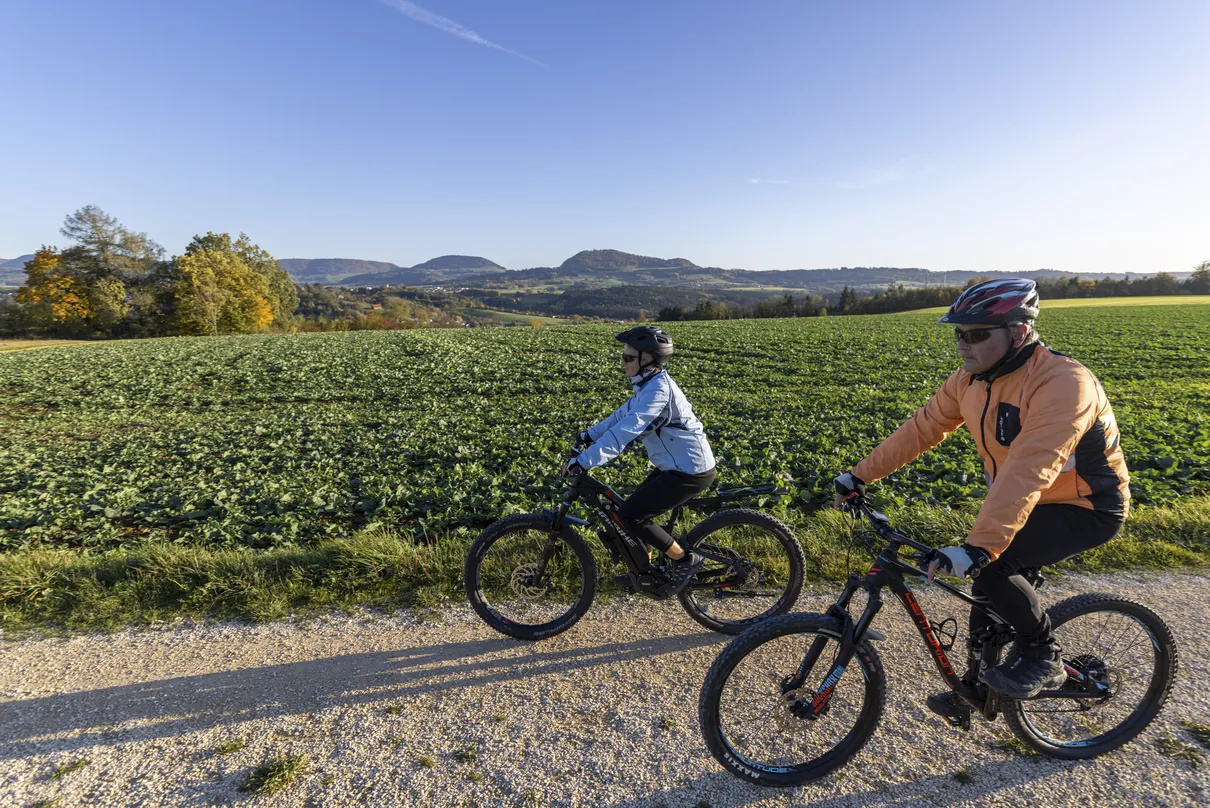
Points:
[[90, 287], [104, 247], [51, 293], [282, 293], [217, 292]]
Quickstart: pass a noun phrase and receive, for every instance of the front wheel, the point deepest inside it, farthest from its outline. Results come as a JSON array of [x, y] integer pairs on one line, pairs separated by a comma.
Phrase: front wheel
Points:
[[1129, 655], [760, 576], [752, 721], [529, 582]]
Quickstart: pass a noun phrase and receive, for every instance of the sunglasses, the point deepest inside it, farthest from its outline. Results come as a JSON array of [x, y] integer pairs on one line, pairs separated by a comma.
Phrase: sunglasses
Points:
[[975, 335], [630, 357]]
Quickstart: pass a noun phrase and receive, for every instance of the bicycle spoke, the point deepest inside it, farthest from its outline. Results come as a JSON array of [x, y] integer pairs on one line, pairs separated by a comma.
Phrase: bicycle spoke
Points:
[[1117, 652]]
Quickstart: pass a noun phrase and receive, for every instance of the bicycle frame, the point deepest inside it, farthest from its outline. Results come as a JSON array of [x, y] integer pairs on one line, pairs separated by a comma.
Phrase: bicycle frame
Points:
[[604, 501], [616, 537], [887, 572]]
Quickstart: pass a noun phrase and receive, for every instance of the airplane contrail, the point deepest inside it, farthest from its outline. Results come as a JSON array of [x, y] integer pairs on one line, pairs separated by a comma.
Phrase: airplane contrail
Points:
[[450, 27]]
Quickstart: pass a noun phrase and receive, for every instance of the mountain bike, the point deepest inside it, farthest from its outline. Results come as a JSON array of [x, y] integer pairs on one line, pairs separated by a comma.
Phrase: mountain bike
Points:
[[798, 696], [532, 576]]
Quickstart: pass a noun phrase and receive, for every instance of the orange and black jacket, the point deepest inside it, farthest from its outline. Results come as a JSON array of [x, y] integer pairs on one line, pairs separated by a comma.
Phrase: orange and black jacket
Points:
[[1045, 431]]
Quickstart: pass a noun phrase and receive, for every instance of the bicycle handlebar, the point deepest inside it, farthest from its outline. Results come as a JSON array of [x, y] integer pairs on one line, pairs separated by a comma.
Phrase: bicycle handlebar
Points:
[[881, 524]]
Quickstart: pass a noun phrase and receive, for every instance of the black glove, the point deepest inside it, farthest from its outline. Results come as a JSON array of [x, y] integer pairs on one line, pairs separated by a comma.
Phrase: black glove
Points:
[[583, 441], [572, 468], [848, 484]]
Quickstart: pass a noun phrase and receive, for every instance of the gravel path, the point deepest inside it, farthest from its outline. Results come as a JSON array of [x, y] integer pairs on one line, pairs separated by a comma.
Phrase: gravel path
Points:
[[399, 711]]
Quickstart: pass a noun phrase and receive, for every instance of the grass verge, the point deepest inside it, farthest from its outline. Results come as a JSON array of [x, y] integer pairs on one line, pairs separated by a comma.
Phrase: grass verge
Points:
[[67, 768], [275, 774], [73, 591], [14, 345]]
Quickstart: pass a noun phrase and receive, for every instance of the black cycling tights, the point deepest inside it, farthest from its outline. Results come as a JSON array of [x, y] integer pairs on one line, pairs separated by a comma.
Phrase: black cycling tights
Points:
[[660, 492], [1052, 533]]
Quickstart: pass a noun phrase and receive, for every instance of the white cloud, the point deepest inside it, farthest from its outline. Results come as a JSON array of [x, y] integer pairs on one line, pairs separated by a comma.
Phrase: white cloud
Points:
[[450, 27]]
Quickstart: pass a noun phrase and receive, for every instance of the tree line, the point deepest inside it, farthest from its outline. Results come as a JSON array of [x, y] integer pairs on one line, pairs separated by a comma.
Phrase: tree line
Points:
[[113, 282], [786, 305], [897, 297]]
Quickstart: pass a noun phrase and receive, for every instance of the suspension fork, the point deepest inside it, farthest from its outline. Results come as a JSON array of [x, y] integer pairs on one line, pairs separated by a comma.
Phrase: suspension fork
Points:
[[556, 525], [851, 633]]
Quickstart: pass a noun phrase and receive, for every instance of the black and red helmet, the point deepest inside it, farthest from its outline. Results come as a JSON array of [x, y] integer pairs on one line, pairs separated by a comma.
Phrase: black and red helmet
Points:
[[1004, 302]]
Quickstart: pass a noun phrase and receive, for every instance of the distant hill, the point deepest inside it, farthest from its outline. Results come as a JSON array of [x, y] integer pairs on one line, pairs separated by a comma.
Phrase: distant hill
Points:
[[331, 270], [459, 262], [618, 261], [606, 269], [12, 270], [434, 272], [15, 263]]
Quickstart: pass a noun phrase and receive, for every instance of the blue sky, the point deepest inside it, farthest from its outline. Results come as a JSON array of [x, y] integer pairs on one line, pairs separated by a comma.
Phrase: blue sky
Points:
[[765, 135]]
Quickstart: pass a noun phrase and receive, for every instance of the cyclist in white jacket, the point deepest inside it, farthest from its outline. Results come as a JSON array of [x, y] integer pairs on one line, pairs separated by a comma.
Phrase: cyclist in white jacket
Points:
[[658, 414]]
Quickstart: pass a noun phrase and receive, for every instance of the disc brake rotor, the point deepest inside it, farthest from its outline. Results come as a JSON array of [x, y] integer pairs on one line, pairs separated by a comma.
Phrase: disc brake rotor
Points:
[[745, 575], [1096, 670], [524, 582], [784, 716]]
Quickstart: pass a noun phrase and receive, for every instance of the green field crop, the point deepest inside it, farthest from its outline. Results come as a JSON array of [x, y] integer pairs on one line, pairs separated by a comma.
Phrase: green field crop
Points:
[[1085, 302], [516, 319], [291, 439]]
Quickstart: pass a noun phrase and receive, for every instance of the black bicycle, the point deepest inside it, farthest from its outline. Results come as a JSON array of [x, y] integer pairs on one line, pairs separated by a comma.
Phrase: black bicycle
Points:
[[533, 575], [797, 697]]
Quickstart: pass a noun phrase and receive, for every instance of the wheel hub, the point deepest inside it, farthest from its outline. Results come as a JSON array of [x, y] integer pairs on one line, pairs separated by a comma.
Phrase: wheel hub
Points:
[[793, 713], [741, 574], [1095, 669]]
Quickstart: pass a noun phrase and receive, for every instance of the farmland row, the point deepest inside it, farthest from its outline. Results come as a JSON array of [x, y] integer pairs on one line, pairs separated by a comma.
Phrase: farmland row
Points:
[[290, 439]]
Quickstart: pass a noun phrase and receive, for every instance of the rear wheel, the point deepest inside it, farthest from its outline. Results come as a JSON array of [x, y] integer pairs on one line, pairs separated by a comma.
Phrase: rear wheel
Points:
[[529, 582], [761, 577], [1127, 657]]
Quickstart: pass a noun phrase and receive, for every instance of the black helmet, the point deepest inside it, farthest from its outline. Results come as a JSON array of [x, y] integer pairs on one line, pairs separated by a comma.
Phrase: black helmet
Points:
[[1005, 302], [649, 339]]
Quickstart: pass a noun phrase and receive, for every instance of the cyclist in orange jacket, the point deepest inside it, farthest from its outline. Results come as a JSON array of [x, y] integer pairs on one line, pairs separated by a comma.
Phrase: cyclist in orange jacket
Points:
[[1057, 479]]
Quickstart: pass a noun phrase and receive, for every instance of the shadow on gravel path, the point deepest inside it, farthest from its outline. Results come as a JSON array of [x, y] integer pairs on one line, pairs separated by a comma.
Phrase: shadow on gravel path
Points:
[[196, 702]]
